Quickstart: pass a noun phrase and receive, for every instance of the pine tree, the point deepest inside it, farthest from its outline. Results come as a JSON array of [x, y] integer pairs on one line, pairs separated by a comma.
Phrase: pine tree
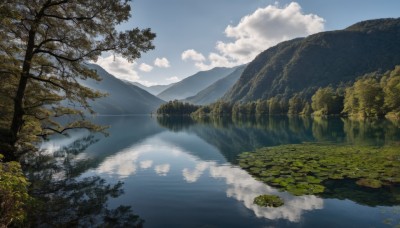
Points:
[[44, 45]]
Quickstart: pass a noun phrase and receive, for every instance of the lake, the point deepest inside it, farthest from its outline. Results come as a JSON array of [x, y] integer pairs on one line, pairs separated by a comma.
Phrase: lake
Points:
[[177, 172]]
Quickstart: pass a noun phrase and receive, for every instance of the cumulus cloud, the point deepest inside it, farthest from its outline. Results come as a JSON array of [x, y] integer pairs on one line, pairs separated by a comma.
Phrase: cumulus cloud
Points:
[[244, 188], [257, 32], [119, 67], [161, 62], [122, 164], [192, 176], [122, 69], [192, 55], [162, 170], [172, 79], [146, 164], [145, 67]]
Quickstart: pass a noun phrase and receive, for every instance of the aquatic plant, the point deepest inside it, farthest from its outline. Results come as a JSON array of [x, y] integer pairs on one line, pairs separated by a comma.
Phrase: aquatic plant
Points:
[[268, 201], [305, 168]]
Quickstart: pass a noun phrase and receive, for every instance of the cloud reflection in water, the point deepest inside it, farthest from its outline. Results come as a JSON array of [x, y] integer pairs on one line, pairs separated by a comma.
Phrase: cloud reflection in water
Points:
[[162, 170], [240, 185], [245, 188]]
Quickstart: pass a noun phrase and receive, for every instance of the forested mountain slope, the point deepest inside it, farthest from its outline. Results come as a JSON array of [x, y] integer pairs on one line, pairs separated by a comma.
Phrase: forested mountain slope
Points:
[[327, 58]]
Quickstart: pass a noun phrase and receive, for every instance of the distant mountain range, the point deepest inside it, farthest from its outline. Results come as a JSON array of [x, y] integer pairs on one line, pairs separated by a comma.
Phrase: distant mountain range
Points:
[[327, 58], [155, 90], [300, 65], [191, 85], [216, 90], [123, 98]]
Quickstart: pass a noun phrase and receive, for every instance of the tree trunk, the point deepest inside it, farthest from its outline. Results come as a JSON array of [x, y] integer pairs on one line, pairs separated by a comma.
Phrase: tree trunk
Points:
[[18, 121]]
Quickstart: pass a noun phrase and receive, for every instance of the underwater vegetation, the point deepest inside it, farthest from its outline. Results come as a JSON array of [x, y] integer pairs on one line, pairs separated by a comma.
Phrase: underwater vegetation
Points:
[[313, 168], [268, 201]]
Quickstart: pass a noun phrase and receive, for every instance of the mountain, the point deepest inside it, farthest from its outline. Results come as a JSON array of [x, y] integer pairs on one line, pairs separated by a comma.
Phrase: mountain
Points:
[[194, 84], [215, 91], [319, 60], [155, 89], [122, 98]]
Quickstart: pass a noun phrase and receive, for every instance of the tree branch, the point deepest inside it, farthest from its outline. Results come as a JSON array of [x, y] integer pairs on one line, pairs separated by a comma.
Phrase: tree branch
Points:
[[47, 81]]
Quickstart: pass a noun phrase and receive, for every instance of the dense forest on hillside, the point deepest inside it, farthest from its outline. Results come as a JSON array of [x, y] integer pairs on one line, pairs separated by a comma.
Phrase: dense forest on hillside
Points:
[[372, 95], [303, 65]]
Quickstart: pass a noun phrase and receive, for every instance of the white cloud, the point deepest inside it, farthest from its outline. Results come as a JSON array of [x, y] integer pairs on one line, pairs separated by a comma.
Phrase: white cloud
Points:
[[119, 67], [122, 164], [172, 79], [194, 175], [260, 30], [162, 170], [145, 67], [162, 62], [192, 55], [146, 164], [244, 188]]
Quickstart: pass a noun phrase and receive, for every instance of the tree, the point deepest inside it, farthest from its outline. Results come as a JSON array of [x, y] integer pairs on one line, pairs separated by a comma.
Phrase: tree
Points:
[[176, 107], [221, 108], [14, 198], [391, 89], [273, 106], [327, 101], [351, 103], [44, 45], [306, 110], [296, 104], [262, 107], [370, 97]]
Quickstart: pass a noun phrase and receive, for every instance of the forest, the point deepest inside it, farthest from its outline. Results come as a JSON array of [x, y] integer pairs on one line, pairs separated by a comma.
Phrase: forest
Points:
[[372, 95]]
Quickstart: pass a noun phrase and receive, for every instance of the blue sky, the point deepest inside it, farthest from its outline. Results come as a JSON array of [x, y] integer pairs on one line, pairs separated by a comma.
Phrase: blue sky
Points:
[[194, 35]]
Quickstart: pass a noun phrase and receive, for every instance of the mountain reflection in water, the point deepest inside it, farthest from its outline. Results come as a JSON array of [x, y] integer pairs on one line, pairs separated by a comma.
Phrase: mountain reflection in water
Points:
[[182, 172]]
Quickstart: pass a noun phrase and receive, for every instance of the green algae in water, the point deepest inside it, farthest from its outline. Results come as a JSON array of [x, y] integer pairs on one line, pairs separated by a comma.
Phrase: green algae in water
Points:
[[268, 201], [371, 183], [302, 169]]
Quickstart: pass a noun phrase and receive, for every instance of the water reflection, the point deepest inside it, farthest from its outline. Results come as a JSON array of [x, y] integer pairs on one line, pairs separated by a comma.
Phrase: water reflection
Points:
[[234, 136], [162, 170], [63, 198], [191, 176], [189, 166], [244, 188], [239, 184], [146, 164]]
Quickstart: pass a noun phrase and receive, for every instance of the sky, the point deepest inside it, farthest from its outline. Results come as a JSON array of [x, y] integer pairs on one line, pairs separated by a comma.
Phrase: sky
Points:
[[197, 35]]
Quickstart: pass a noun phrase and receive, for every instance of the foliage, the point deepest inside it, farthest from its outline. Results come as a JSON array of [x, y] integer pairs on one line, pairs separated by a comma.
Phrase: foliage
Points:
[[268, 201], [43, 48], [370, 97], [221, 108], [326, 101], [65, 199], [262, 107], [319, 60], [374, 95], [14, 198], [305, 168], [391, 89], [176, 108], [297, 105]]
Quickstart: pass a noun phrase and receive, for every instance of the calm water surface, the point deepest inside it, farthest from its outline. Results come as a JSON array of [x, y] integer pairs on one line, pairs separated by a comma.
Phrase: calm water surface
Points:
[[181, 173]]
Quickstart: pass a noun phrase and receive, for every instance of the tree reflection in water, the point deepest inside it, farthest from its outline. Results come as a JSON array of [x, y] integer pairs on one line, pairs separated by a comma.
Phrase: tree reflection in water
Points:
[[65, 199]]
